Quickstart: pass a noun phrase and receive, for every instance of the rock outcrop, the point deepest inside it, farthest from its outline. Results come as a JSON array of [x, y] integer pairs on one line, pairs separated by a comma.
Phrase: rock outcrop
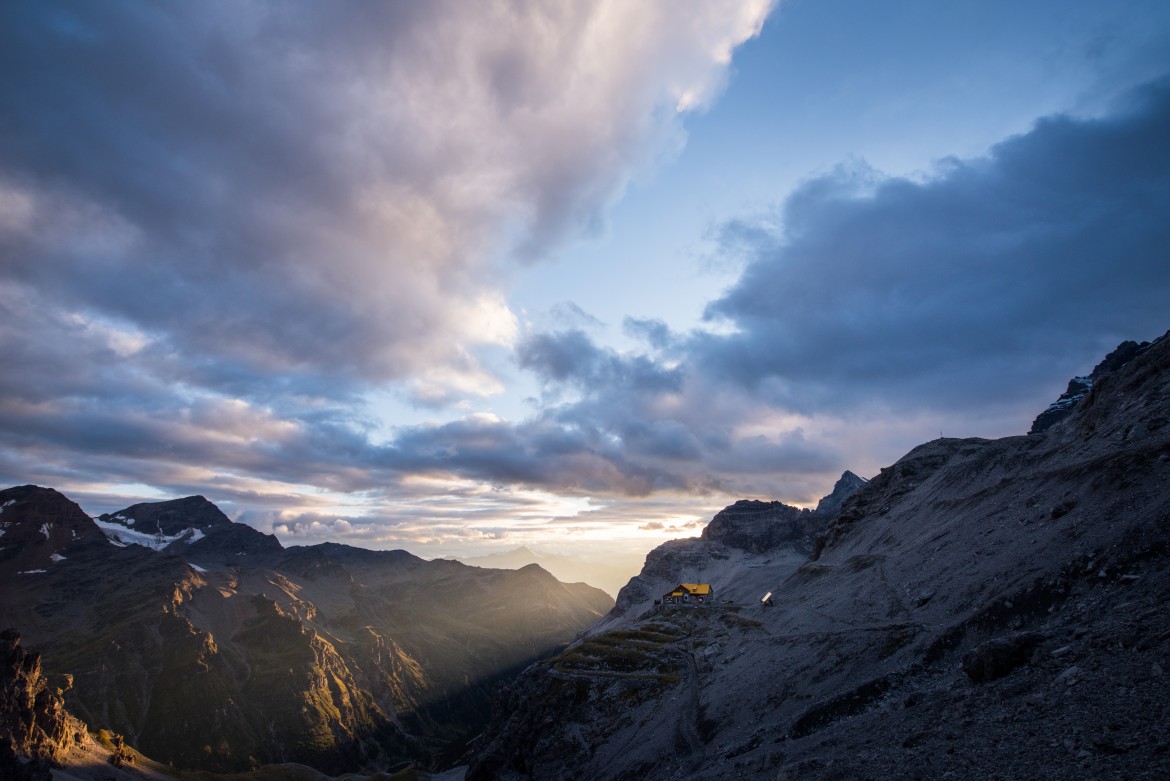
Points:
[[1079, 387], [745, 551], [845, 487], [982, 608], [755, 526], [35, 729]]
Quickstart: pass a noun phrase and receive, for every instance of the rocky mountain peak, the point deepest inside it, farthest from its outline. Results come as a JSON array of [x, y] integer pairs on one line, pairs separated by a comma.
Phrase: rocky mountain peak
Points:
[[1079, 387], [191, 526], [845, 487], [39, 527], [171, 517], [534, 570], [755, 526]]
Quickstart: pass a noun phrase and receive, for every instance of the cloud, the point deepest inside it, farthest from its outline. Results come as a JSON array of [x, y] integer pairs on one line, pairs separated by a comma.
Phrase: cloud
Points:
[[967, 290], [948, 302], [293, 189], [635, 424], [572, 357], [652, 331], [223, 224]]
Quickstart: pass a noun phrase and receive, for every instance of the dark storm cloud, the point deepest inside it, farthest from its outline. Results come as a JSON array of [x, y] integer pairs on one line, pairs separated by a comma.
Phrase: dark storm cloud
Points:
[[637, 424], [973, 287], [538, 453], [572, 357], [282, 186], [961, 295]]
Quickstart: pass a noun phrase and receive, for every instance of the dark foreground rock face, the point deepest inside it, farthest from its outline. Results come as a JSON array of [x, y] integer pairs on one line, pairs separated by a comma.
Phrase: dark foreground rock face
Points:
[[999, 656], [980, 609]]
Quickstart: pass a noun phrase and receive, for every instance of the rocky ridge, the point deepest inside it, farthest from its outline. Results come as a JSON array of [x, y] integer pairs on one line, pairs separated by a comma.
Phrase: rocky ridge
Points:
[[981, 608], [1079, 387], [39, 530], [170, 518], [41, 741], [608, 573], [741, 552]]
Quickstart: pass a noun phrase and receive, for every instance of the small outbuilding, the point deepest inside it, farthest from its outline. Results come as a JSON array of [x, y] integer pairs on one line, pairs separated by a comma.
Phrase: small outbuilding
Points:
[[689, 594]]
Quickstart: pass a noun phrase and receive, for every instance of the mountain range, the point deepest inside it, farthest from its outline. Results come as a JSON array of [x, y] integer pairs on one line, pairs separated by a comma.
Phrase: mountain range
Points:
[[608, 574], [204, 643]]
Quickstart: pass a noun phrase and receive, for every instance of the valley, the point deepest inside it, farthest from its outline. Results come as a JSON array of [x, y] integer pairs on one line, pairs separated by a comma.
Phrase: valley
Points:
[[224, 651]]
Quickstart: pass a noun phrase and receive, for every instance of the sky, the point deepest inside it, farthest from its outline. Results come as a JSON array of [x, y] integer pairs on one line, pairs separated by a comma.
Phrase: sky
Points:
[[456, 277]]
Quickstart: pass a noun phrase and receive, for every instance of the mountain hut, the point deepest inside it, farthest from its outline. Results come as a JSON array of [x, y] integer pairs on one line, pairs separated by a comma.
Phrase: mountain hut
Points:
[[689, 594]]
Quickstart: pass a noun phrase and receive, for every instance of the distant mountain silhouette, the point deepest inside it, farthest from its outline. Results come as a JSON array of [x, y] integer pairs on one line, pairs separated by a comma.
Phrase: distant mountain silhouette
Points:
[[609, 575]]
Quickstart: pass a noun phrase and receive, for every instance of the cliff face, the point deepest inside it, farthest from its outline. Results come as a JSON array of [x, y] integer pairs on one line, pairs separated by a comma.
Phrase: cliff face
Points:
[[35, 728], [206, 644], [1079, 387], [743, 553], [979, 609]]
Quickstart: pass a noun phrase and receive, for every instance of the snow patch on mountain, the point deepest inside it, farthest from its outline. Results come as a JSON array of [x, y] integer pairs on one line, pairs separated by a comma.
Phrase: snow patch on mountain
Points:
[[122, 536]]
